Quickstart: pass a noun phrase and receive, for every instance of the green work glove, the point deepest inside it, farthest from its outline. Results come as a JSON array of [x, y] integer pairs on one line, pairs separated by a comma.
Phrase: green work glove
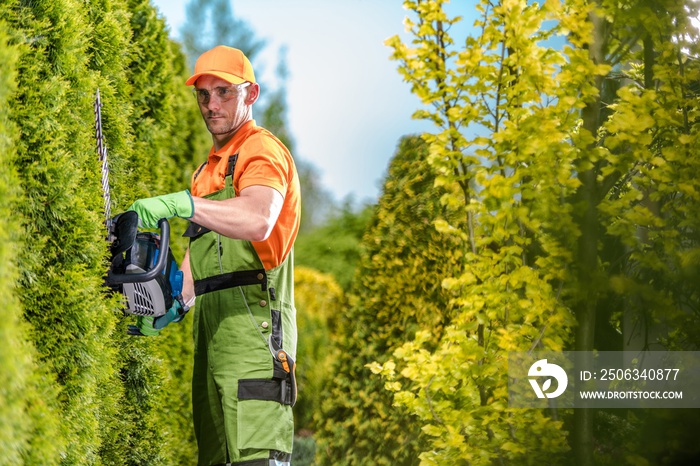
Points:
[[151, 326], [174, 314], [144, 327], [152, 209]]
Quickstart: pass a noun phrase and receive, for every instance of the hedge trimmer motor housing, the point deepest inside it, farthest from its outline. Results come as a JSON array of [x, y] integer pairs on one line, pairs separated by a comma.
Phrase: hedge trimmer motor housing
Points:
[[142, 267]]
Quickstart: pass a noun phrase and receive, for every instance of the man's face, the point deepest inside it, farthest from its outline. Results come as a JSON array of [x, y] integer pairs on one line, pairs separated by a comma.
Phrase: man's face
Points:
[[223, 117]]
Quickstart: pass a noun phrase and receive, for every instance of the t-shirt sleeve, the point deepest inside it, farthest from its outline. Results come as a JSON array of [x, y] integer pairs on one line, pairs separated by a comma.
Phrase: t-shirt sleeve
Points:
[[262, 163]]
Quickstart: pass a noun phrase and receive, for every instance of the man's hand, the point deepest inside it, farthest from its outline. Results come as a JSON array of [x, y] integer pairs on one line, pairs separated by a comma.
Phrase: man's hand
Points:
[[151, 326], [152, 209]]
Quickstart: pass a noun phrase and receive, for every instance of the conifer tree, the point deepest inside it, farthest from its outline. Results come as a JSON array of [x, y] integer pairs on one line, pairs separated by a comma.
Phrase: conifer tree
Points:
[[60, 283], [92, 395], [162, 127], [396, 292], [16, 356]]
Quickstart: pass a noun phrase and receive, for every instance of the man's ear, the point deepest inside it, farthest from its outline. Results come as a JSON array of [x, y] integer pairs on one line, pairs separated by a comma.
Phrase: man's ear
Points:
[[253, 94]]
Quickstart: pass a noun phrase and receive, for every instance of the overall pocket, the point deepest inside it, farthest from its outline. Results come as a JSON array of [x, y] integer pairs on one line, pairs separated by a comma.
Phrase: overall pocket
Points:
[[263, 422]]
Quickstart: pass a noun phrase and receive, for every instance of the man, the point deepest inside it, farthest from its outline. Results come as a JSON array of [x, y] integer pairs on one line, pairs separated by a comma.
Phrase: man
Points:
[[244, 210]]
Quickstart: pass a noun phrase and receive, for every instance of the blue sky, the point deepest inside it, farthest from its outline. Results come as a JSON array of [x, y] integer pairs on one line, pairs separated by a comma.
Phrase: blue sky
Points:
[[348, 106]]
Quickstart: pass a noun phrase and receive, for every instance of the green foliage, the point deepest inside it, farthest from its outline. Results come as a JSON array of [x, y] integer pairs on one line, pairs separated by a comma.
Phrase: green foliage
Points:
[[511, 188], [91, 394], [652, 203], [318, 300], [397, 290], [16, 358], [304, 451], [574, 186], [333, 247], [61, 268]]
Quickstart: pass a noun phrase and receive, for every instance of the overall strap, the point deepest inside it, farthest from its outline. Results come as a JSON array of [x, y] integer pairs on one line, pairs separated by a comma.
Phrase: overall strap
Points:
[[194, 230], [199, 170], [232, 159]]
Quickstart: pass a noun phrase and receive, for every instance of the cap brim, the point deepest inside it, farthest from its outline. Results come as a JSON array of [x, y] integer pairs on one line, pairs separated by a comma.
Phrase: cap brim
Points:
[[233, 79]]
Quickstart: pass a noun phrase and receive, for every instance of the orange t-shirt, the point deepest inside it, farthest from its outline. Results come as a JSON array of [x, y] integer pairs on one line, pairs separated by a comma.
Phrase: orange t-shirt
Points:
[[262, 161]]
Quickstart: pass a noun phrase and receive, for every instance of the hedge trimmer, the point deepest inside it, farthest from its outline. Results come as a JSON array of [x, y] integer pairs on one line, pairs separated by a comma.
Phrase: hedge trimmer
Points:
[[142, 266]]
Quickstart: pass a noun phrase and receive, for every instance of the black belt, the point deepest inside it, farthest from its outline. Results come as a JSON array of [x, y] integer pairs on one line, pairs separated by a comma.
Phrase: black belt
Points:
[[231, 280]]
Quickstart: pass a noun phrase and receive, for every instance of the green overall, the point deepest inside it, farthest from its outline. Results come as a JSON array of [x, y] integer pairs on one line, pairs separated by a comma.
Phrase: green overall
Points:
[[242, 390]]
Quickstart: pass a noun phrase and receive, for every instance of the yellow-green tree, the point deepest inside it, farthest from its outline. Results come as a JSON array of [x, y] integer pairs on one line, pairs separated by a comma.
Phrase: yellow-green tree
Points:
[[397, 290], [553, 170], [516, 240]]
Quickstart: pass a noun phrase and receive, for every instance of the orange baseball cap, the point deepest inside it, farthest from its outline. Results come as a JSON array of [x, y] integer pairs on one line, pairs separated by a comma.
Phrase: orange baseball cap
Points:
[[223, 62]]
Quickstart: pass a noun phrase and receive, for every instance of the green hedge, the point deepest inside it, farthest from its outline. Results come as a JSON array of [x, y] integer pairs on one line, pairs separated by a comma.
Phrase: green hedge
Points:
[[16, 355], [76, 389]]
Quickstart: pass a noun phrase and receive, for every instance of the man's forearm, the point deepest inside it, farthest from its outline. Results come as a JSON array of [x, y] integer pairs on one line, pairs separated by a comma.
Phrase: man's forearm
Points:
[[249, 216]]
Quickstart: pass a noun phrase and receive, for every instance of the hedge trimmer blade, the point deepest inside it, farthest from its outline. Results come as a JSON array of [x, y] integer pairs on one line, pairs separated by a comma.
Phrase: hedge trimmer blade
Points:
[[142, 266], [102, 154]]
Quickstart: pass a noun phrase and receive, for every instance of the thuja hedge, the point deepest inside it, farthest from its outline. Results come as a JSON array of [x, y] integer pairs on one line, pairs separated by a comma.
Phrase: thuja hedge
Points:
[[75, 388]]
